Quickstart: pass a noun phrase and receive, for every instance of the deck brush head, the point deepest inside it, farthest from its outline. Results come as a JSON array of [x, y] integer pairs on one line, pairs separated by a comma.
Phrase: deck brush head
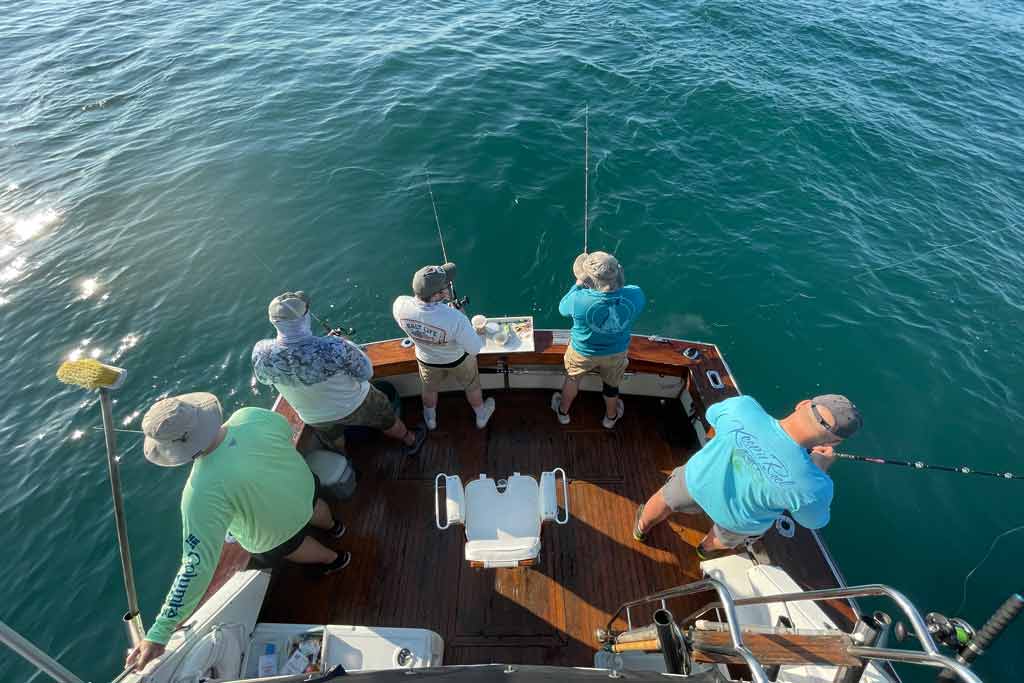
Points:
[[90, 374]]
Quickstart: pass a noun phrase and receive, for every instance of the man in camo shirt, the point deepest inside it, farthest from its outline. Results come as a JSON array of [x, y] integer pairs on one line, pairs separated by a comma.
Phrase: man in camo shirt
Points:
[[325, 379]]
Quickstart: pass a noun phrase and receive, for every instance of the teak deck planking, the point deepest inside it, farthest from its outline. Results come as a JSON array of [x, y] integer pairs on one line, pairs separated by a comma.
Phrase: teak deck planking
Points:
[[405, 572]]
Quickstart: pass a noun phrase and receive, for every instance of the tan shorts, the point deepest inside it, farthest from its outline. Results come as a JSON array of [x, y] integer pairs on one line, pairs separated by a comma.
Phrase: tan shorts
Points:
[[611, 367], [375, 412], [465, 373]]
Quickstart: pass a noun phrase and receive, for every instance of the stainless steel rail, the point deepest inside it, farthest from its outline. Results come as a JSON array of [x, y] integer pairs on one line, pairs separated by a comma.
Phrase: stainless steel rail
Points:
[[929, 657], [728, 606], [35, 656]]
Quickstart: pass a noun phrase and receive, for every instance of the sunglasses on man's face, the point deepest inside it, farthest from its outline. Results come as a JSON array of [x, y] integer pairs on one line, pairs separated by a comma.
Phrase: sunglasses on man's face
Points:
[[822, 421]]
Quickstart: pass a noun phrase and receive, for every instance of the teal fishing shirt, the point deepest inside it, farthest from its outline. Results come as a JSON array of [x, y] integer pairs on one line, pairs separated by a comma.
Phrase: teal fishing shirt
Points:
[[255, 485], [602, 322], [752, 470]]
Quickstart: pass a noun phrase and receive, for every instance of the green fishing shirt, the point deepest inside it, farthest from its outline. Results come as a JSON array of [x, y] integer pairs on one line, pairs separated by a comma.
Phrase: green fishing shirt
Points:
[[255, 485]]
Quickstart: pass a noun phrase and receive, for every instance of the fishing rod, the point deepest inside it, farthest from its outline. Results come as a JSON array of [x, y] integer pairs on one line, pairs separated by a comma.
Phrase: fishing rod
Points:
[[328, 328], [919, 465], [456, 301]]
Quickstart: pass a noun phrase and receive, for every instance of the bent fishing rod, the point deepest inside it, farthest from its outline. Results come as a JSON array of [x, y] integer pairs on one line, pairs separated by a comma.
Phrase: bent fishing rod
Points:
[[328, 328], [456, 302], [919, 465]]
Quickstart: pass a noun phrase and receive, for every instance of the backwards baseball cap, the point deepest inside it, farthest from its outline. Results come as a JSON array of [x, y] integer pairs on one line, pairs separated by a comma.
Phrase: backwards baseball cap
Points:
[[430, 280], [846, 419], [288, 306], [177, 429], [600, 268]]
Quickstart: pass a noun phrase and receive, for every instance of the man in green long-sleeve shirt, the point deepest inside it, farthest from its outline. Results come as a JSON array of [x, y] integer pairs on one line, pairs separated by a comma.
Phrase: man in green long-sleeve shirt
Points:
[[247, 479]]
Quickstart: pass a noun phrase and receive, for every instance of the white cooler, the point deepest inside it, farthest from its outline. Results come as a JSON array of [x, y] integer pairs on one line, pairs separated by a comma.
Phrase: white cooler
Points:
[[357, 648]]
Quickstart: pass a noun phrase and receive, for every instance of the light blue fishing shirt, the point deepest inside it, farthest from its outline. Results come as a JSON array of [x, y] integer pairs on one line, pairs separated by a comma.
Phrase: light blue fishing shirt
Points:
[[602, 321], [752, 470]]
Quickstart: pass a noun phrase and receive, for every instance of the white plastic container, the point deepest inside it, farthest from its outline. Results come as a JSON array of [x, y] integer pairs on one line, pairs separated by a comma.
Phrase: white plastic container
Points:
[[369, 648], [268, 661], [335, 472]]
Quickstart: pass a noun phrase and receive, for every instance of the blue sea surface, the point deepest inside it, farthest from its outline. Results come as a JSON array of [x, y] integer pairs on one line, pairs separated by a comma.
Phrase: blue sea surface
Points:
[[831, 192]]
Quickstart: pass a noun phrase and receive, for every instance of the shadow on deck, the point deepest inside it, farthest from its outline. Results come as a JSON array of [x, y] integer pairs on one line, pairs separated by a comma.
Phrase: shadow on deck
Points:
[[405, 572]]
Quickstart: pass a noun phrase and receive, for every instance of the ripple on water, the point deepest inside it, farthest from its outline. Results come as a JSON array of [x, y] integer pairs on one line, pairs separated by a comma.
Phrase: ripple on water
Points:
[[831, 192]]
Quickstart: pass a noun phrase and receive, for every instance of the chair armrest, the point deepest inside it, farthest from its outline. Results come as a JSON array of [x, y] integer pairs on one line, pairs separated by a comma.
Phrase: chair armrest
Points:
[[549, 496], [454, 501]]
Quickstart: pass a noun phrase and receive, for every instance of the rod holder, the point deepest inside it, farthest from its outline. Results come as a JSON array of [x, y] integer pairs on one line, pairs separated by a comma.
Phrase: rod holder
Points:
[[668, 638], [871, 630]]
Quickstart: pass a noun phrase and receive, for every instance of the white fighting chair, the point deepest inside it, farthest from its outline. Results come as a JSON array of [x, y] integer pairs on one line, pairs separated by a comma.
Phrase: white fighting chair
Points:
[[502, 519]]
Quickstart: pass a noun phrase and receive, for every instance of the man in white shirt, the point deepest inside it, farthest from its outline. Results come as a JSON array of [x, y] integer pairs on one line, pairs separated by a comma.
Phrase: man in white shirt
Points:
[[446, 344]]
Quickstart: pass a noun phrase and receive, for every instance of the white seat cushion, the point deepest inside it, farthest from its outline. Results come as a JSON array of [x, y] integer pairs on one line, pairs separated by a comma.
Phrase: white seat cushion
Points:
[[502, 528], [508, 551]]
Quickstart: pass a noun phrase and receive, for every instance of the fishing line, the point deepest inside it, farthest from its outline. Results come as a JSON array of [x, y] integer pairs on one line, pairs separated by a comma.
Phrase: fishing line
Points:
[[967, 578], [922, 255], [586, 179]]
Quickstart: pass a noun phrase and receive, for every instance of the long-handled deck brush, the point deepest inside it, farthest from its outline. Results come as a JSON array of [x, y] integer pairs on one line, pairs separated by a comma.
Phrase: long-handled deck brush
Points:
[[91, 374]]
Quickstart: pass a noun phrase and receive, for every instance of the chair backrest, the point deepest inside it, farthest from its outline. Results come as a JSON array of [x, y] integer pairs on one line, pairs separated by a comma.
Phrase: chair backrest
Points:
[[514, 512]]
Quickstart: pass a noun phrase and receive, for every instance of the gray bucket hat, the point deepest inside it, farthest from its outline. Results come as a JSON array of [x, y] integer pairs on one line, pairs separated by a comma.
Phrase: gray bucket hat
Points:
[[601, 269], [288, 306], [177, 429], [846, 419], [430, 280]]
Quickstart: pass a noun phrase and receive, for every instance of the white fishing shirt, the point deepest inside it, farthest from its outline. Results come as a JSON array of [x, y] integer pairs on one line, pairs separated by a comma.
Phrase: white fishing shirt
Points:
[[441, 333]]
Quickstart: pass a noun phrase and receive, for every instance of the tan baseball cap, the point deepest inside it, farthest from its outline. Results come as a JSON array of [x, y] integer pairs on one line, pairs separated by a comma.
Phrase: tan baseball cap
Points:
[[430, 280], [177, 429], [601, 269], [288, 306]]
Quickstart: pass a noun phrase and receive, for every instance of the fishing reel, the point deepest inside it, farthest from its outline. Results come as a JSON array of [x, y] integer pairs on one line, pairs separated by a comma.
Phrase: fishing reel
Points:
[[459, 303], [336, 331], [954, 633], [960, 636]]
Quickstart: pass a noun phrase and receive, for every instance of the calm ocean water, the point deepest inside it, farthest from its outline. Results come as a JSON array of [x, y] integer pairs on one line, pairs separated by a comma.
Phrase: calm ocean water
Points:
[[783, 178]]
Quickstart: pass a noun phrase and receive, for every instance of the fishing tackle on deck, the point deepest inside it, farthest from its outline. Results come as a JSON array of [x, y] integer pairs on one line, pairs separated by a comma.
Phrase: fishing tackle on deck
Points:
[[456, 302], [919, 465]]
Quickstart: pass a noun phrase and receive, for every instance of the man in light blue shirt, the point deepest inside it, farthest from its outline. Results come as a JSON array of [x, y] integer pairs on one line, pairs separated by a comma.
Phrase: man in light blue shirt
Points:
[[755, 468], [603, 309]]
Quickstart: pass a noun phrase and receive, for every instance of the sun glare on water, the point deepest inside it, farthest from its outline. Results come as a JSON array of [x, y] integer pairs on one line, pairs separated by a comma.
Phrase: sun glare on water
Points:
[[89, 287], [28, 227]]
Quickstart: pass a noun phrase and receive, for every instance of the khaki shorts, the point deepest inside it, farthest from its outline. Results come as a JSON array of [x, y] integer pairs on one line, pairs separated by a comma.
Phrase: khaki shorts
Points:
[[375, 412], [466, 374], [611, 367]]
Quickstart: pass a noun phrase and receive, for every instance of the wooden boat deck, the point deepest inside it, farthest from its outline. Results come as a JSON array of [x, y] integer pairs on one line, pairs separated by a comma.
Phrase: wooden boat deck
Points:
[[405, 572]]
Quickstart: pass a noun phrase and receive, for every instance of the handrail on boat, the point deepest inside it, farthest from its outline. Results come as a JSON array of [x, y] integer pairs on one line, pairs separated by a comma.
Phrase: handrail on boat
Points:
[[728, 606], [929, 657]]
